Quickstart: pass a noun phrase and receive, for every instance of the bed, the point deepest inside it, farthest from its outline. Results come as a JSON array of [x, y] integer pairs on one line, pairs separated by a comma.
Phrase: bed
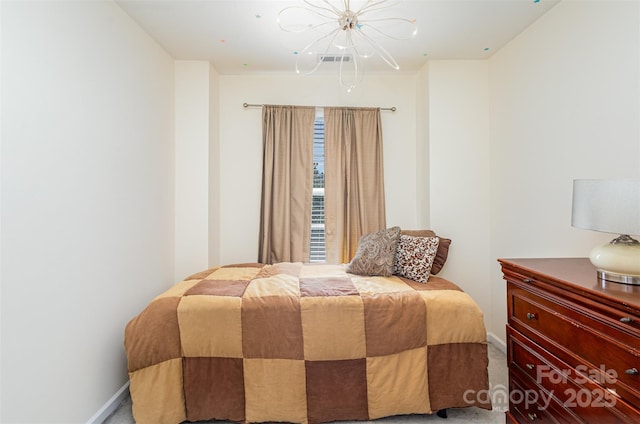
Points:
[[304, 343]]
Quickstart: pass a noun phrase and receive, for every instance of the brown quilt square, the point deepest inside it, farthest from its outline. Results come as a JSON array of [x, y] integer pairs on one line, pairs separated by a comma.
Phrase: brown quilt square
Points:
[[272, 327], [154, 335], [449, 383], [435, 283], [330, 286], [337, 390], [218, 288], [394, 322], [214, 389]]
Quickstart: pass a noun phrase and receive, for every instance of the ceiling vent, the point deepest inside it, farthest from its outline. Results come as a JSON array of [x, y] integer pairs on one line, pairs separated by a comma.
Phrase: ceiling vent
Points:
[[335, 58]]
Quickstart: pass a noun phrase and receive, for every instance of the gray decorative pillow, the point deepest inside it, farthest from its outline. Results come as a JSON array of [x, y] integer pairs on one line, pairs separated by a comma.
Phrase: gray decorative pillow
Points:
[[376, 253], [415, 256]]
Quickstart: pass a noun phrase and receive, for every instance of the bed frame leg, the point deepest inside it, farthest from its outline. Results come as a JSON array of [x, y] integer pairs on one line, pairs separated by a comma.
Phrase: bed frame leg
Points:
[[442, 413]]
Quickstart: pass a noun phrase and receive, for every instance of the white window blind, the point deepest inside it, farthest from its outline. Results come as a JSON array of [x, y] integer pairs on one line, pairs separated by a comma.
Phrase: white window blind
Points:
[[318, 246]]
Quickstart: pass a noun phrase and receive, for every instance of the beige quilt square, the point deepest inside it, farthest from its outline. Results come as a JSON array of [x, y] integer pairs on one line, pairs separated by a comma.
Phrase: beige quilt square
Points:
[[275, 390], [210, 326], [374, 285], [239, 273], [453, 317], [397, 384], [159, 384], [323, 270], [333, 327], [276, 285], [179, 289]]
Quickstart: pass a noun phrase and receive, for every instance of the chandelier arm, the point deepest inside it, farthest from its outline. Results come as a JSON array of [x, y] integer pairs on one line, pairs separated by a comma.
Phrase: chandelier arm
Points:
[[370, 5], [356, 78], [349, 39], [315, 68], [304, 29], [367, 24], [382, 52], [353, 37], [313, 9], [334, 10], [357, 47], [356, 67], [349, 87], [335, 33]]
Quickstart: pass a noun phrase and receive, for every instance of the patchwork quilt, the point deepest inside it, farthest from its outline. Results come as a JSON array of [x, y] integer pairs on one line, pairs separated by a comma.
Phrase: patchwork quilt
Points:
[[304, 343]]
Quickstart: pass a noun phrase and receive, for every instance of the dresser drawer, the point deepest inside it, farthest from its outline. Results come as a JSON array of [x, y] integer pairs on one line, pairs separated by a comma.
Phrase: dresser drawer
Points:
[[580, 340], [573, 337], [627, 323], [526, 406], [555, 380]]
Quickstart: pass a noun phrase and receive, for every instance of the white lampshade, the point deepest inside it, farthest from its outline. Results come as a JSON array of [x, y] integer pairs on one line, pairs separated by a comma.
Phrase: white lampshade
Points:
[[611, 206]]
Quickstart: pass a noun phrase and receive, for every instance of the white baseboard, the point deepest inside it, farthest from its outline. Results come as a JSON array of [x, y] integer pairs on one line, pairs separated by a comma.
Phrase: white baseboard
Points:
[[111, 405], [497, 342]]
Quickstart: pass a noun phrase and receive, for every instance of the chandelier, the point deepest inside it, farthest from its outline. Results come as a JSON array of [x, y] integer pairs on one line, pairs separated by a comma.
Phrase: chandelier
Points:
[[331, 31]]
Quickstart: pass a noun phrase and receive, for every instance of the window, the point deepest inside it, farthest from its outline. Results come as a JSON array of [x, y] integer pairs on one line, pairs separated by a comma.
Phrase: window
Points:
[[317, 252]]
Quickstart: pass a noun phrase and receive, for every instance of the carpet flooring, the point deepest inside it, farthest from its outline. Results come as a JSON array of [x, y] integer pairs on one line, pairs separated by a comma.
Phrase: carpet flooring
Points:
[[498, 382]]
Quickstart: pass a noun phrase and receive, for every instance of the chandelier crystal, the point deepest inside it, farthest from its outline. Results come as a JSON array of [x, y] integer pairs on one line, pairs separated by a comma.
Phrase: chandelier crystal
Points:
[[332, 31]]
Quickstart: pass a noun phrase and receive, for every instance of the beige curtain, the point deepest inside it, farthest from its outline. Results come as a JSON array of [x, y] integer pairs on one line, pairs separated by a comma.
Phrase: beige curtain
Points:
[[354, 179], [287, 180]]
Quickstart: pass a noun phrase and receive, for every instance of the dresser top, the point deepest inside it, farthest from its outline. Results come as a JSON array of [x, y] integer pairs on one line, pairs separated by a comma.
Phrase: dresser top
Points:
[[577, 275]]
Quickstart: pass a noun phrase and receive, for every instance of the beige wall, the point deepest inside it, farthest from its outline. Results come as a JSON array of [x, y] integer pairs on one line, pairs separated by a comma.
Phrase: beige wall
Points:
[[193, 183], [459, 170], [482, 151], [241, 151], [87, 201], [564, 104]]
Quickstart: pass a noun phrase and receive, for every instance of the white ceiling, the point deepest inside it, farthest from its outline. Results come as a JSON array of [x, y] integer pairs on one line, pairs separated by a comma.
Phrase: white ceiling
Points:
[[243, 36]]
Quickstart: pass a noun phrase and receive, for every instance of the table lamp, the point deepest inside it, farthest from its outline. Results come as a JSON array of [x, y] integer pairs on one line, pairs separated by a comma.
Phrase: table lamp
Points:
[[611, 206]]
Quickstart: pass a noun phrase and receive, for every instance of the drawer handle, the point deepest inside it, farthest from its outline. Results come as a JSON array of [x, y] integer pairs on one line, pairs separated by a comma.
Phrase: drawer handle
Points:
[[531, 316], [626, 320], [532, 416], [632, 371], [527, 280], [530, 366]]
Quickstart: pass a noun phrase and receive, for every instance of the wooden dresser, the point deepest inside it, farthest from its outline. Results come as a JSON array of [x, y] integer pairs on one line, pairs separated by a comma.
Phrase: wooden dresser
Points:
[[573, 344]]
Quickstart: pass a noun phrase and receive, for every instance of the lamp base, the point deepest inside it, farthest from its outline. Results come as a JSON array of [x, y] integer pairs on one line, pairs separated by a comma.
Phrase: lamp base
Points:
[[633, 280], [618, 261]]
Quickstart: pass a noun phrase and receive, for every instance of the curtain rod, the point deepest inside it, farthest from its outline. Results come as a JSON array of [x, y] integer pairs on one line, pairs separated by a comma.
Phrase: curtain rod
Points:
[[392, 109]]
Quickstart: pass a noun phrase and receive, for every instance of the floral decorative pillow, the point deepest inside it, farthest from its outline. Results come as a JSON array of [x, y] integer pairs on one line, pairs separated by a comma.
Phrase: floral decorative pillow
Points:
[[376, 253], [415, 256], [443, 247]]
